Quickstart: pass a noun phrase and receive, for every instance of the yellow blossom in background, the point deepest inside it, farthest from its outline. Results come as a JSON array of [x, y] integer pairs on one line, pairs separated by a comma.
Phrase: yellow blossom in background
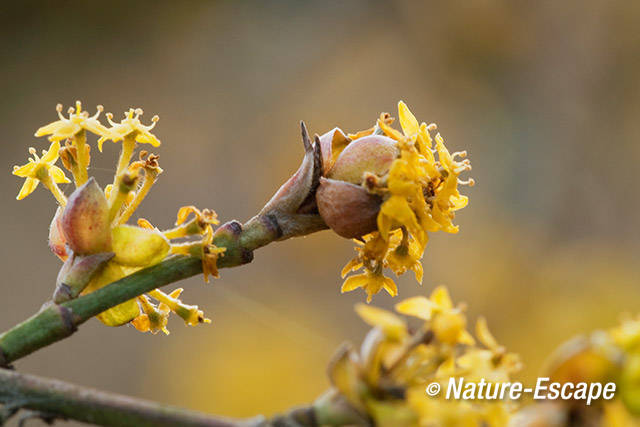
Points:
[[42, 169], [386, 379]]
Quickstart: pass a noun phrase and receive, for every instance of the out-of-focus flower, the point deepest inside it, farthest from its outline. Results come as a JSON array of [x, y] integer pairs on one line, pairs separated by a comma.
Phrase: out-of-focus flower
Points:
[[390, 185], [386, 379], [67, 128], [42, 169]]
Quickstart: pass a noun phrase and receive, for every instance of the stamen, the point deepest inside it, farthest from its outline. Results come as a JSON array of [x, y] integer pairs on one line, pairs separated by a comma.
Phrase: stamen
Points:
[[99, 109], [470, 182], [70, 111], [109, 117], [432, 127], [461, 154], [138, 112], [59, 111], [78, 107]]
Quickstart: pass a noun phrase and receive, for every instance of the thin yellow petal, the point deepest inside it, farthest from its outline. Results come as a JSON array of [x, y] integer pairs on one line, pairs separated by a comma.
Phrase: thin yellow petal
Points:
[[440, 297], [353, 283], [392, 326], [52, 154], [408, 121], [28, 187], [58, 175], [484, 335], [420, 307]]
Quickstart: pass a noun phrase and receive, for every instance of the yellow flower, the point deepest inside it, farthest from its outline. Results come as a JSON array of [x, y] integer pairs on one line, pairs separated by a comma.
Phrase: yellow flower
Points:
[[406, 256], [419, 195], [131, 127], [42, 169], [448, 322], [189, 313], [372, 282], [78, 120], [205, 250], [153, 318]]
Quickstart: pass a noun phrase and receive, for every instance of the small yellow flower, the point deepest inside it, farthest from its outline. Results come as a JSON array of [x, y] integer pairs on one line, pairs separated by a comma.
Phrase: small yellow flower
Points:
[[153, 318], [77, 121], [448, 322], [406, 256], [372, 282], [205, 250], [41, 169], [191, 315], [131, 127]]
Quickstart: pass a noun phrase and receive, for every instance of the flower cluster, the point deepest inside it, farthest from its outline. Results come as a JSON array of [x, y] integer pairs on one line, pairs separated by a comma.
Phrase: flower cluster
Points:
[[386, 380], [604, 356], [388, 189], [89, 231]]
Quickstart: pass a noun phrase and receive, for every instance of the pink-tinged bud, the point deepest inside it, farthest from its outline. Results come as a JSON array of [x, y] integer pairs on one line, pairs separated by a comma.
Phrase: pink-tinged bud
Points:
[[85, 221], [374, 154], [57, 242], [76, 273], [349, 209], [331, 144], [138, 247]]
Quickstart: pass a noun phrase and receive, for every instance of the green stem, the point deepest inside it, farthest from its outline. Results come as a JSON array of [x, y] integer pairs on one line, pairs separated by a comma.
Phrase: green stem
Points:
[[56, 322], [97, 407]]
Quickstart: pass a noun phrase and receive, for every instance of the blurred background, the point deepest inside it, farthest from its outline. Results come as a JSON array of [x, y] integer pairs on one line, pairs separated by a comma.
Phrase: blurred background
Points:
[[543, 95]]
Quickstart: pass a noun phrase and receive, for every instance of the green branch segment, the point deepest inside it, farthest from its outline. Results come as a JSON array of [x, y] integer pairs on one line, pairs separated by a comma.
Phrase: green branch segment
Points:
[[93, 406], [56, 322]]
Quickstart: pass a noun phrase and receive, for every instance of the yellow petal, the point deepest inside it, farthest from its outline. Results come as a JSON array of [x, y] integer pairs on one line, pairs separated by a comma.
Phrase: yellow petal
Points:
[[50, 128], [390, 286], [58, 175], [466, 338], [52, 154], [353, 283], [440, 297], [25, 171], [393, 326], [420, 307], [28, 187], [407, 119], [484, 335]]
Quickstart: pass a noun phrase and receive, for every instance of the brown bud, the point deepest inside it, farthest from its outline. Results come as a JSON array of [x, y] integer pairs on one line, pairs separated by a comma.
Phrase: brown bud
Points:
[[85, 221], [57, 241], [349, 209], [373, 154]]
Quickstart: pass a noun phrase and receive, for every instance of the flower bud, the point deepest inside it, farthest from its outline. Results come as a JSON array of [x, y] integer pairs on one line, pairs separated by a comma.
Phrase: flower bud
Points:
[[349, 209], [85, 221], [585, 359], [57, 241], [373, 154]]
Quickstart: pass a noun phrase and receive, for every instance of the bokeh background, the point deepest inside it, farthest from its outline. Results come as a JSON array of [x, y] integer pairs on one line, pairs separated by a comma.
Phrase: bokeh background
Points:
[[544, 96]]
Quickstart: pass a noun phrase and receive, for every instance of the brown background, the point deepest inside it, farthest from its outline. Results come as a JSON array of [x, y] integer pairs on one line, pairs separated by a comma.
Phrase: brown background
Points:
[[544, 96]]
